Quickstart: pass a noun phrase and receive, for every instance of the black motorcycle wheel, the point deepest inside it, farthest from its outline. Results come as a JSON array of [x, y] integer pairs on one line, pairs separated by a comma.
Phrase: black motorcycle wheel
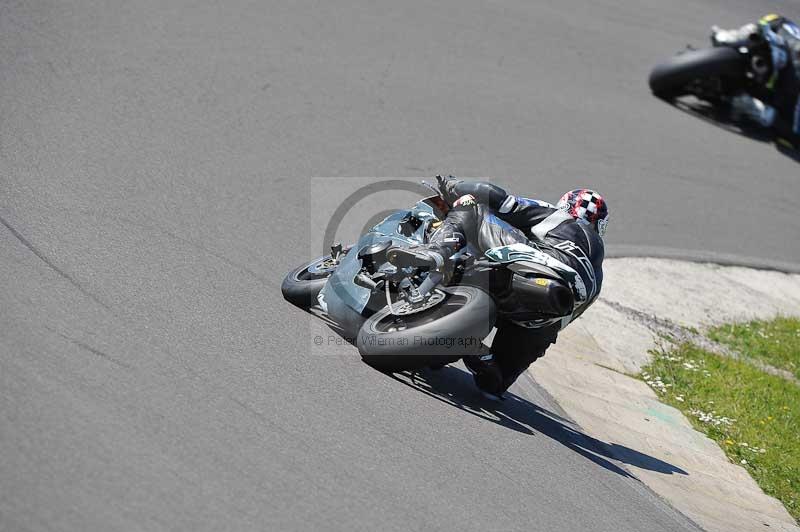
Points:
[[445, 333], [672, 78], [302, 285]]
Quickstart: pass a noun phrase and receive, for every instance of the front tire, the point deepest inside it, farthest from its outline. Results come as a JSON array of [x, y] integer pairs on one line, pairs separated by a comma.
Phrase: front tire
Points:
[[302, 285], [445, 333], [671, 78]]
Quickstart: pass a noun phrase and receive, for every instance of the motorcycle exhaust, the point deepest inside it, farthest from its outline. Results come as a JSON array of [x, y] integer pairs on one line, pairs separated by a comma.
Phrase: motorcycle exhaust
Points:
[[548, 296]]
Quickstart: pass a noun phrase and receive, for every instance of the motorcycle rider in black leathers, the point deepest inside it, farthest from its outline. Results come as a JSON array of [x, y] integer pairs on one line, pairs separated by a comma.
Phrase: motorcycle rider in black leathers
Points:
[[776, 103], [486, 216]]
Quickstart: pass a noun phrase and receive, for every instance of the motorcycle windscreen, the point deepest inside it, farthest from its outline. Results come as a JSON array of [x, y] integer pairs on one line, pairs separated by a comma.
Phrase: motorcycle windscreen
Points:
[[341, 298]]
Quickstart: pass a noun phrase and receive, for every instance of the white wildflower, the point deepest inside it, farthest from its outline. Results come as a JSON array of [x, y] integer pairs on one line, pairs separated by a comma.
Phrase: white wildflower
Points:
[[711, 418]]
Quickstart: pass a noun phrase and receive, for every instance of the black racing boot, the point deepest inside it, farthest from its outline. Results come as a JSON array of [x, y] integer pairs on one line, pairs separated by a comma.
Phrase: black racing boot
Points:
[[487, 375]]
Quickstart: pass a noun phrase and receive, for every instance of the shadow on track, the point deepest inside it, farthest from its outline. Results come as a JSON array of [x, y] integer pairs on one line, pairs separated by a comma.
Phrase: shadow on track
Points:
[[455, 387], [721, 118]]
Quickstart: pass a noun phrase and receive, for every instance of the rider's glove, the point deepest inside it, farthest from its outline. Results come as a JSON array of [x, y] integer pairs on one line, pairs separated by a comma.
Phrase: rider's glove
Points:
[[723, 37], [447, 187]]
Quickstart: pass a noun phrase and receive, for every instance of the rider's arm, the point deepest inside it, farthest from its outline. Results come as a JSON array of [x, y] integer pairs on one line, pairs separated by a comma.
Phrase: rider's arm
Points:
[[520, 212], [525, 213], [535, 218], [484, 192]]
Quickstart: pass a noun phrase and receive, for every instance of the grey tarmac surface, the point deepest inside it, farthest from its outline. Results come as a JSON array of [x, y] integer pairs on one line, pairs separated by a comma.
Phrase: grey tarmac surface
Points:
[[155, 165]]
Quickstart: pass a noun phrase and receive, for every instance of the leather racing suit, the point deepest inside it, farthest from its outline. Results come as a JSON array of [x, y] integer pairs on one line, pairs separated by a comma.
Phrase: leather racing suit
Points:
[[487, 216]]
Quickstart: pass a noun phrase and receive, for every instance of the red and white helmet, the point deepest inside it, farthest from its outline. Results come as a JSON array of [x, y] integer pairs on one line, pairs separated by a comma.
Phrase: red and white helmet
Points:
[[587, 205]]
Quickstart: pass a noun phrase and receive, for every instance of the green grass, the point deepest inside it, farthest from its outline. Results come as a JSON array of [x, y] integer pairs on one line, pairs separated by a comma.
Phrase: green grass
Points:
[[740, 407], [775, 342]]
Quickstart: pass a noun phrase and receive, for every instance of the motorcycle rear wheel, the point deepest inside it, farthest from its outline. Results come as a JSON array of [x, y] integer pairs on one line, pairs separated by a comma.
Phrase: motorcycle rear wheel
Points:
[[443, 334], [671, 79]]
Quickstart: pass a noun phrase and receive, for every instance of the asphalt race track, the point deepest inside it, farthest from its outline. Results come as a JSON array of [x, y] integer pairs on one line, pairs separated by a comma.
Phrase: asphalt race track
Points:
[[155, 182]]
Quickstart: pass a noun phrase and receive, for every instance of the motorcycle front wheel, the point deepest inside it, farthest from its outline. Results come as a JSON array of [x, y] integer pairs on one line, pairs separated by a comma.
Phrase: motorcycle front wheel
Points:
[[302, 285], [672, 78], [455, 327]]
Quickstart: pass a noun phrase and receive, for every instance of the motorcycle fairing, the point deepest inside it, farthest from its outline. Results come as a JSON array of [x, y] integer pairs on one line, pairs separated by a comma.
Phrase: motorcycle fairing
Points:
[[341, 295]]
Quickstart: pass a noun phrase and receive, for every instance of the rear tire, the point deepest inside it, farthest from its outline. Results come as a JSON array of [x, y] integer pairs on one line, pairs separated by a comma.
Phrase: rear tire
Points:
[[441, 335], [671, 78]]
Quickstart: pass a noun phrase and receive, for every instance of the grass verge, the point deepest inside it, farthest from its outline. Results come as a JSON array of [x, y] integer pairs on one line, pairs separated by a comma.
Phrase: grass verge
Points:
[[752, 415], [776, 342]]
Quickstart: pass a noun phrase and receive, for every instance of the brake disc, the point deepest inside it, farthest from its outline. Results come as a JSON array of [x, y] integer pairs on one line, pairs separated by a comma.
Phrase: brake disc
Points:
[[405, 308], [324, 266]]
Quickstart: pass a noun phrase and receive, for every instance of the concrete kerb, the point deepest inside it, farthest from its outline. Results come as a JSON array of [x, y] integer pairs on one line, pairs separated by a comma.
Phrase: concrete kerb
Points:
[[588, 373]]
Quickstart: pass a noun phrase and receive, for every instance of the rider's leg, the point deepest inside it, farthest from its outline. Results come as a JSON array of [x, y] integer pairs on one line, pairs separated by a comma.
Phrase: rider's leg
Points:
[[516, 347], [487, 374], [787, 123], [748, 107]]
